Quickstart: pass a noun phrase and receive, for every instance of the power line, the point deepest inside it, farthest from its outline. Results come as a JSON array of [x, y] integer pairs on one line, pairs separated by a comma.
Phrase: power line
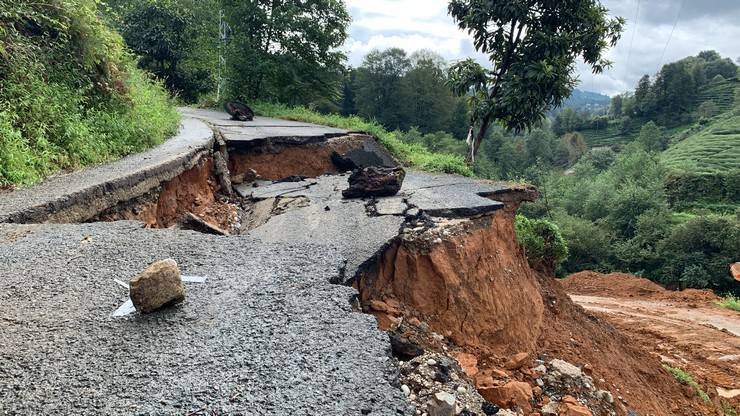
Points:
[[632, 41], [634, 32], [678, 15]]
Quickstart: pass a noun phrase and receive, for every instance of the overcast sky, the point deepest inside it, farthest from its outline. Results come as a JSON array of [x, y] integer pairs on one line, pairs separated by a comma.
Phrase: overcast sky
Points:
[[424, 24]]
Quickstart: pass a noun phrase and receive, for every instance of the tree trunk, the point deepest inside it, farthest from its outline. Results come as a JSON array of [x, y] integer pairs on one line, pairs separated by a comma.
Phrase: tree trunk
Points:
[[485, 124]]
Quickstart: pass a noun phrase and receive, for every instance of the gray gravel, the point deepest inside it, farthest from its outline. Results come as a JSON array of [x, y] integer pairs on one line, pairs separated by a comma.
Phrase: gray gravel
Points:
[[266, 335]]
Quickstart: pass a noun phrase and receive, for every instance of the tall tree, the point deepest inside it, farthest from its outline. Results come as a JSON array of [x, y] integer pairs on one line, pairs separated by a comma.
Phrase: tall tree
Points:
[[175, 40], [615, 108], [644, 101], [286, 50], [533, 46], [428, 101], [379, 86]]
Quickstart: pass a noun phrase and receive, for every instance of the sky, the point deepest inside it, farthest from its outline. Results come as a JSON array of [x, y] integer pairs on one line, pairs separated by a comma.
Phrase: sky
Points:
[[657, 32]]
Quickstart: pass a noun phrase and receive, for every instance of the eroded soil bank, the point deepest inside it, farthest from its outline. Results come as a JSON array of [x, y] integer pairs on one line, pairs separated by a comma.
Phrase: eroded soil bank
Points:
[[452, 281], [464, 288], [198, 194]]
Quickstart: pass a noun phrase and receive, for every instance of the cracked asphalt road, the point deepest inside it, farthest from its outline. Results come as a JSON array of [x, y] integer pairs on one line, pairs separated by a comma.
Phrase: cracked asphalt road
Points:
[[266, 335]]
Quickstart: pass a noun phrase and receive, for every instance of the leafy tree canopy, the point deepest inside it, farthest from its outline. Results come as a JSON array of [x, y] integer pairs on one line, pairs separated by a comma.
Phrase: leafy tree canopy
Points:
[[286, 51], [533, 45]]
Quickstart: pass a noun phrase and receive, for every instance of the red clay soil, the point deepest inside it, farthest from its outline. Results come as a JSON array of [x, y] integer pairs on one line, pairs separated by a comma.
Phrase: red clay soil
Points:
[[629, 286], [467, 286], [629, 370], [195, 190], [280, 162], [683, 329], [476, 288]]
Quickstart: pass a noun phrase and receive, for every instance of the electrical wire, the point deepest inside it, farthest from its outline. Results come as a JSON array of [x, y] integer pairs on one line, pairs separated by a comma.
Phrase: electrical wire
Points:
[[634, 32], [662, 56]]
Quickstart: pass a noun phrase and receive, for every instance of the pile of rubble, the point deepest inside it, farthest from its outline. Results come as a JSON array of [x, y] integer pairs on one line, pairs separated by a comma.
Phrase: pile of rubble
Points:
[[439, 385]]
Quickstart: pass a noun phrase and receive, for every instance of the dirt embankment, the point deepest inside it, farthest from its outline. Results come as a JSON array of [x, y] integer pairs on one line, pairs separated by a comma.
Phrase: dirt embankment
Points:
[[278, 162], [194, 191], [629, 286], [683, 329], [467, 288], [199, 190]]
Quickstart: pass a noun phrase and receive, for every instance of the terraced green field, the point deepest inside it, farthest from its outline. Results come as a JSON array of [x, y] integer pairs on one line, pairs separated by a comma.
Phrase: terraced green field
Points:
[[722, 93], [713, 150], [608, 136]]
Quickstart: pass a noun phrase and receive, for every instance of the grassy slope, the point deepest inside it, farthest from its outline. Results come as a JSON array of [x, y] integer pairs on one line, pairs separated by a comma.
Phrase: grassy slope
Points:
[[714, 149], [72, 96], [414, 155]]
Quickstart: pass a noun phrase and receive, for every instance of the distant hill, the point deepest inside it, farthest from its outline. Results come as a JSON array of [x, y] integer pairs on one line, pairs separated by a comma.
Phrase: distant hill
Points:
[[586, 102]]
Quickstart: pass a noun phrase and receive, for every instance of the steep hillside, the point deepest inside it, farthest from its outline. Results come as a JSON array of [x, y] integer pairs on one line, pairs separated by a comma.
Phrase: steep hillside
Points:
[[722, 93], [586, 101], [69, 92]]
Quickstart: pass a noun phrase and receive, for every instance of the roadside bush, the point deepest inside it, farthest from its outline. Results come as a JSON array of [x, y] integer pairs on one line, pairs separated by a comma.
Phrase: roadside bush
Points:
[[542, 243], [697, 252], [70, 95]]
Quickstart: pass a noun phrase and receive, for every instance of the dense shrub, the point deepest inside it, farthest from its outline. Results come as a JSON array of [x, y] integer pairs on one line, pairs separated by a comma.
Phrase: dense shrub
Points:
[[70, 95], [542, 243], [685, 187], [698, 252]]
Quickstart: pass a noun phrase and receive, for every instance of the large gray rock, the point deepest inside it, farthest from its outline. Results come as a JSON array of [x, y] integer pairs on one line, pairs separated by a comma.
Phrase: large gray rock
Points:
[[374, 181], [442, 404], [370, 154], [157, 286]]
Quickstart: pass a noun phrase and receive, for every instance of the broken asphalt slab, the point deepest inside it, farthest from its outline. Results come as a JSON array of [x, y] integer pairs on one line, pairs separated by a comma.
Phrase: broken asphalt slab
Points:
[[359, 234], [263, 130], [267, 334], [273, 190]]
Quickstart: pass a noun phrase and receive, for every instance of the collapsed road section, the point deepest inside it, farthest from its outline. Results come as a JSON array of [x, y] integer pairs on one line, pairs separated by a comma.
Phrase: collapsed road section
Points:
[[274, 328]]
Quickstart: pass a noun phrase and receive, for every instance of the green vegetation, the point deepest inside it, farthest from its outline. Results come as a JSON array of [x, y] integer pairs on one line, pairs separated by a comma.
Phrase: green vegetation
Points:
[[69, 93], [174, 39], [730, 302], [412, 154], [685, 378], [728, 409], [542, 243], [533, 57], [402, 91], [286, 52], [715, 149]]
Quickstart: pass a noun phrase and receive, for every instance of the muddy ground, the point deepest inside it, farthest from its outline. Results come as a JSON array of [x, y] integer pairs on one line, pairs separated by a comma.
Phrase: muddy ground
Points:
[[685, 329]]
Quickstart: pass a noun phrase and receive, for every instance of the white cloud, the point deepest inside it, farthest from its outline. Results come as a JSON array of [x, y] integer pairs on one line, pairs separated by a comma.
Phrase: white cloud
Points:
[[424, 24]]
